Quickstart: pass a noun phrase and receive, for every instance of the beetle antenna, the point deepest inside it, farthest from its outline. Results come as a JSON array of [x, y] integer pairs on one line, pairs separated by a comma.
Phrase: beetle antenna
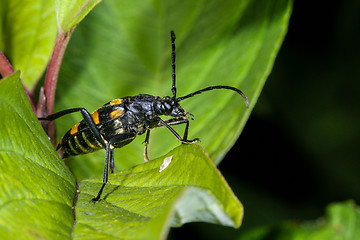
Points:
[[212, 88], [173, 88]]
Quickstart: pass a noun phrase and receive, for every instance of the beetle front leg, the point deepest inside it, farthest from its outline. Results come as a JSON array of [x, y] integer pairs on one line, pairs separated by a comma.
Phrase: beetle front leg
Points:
[[167, 123], [175, 122], [185, 140]]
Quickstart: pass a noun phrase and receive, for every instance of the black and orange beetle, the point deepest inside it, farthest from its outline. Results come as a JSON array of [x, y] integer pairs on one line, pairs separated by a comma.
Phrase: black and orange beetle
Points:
[[119, 121]]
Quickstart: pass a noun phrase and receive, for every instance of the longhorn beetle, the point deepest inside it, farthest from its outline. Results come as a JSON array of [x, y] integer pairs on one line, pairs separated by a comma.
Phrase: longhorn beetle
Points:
[[117, 122]]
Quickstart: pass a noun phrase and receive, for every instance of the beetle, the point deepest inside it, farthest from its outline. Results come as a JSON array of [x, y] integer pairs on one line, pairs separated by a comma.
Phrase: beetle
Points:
[[118, 122]]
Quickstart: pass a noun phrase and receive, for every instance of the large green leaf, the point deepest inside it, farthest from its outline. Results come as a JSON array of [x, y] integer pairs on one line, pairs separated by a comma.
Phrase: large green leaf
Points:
[[142, 202], [36, 188], [123, 48], [27, 36], [342, 222]]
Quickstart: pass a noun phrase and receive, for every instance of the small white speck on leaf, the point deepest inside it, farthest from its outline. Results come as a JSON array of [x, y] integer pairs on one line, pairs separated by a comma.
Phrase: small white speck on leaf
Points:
[[166, 163]]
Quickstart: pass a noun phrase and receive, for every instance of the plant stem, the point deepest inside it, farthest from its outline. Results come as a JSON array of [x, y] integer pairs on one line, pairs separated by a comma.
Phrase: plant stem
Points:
[[5, 67], [51, 78], [52, 72]]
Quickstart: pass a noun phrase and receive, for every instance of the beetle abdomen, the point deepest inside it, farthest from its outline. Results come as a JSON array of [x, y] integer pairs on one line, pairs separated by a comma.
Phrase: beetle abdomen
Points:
[[77, 143], [80, 140]]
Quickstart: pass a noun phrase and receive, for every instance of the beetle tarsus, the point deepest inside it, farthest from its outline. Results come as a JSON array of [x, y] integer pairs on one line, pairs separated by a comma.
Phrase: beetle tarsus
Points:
[[195, 140], [97, 198]]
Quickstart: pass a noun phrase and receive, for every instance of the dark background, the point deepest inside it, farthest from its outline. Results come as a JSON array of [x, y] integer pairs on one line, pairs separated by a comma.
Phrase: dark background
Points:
[[300, 150]]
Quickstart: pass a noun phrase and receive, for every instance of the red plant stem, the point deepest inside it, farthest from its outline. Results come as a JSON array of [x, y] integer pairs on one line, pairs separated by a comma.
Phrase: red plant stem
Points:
[[51, 78], [5, 67], [29, 96], [52, 72]]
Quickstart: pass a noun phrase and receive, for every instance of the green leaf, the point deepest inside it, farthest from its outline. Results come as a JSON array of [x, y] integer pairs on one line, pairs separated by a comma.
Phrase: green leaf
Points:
[[342, 222], [142, 202], [123, 49], [36, 188], [27, 36], [69, 12]]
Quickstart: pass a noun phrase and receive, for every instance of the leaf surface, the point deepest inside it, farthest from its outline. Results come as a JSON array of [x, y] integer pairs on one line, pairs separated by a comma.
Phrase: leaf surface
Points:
[[27, 36], [70, 12], [36, 188], [142, 202]]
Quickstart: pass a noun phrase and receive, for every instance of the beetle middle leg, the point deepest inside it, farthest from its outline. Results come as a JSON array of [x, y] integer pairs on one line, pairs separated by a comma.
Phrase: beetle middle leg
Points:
[[146, 157]]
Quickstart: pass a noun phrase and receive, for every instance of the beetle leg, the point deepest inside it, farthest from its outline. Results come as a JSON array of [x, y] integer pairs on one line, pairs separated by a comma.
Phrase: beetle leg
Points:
[[173, 121], [185, 140], [176, 122], [112, 164], [186, 130], [106, 172], [146, 157], [54, 116], [110, 154], [90, 122]]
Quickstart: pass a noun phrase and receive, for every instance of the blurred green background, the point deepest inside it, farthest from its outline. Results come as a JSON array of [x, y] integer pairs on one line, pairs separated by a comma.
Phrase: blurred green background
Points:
[[306, 122]]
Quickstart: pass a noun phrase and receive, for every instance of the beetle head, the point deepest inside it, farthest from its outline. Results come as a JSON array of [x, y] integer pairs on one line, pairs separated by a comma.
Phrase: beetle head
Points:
[[171, 107]]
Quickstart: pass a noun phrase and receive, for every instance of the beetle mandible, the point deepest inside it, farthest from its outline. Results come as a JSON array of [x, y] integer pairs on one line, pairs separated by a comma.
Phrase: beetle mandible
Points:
[[118, 122]]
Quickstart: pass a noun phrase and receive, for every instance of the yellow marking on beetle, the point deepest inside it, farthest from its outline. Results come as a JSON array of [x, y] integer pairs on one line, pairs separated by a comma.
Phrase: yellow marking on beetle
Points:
[[72, 148], [117, 113], [60, 142], [74, 129], [90, 144], [95, 117], [82, 148], [117, 101]]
